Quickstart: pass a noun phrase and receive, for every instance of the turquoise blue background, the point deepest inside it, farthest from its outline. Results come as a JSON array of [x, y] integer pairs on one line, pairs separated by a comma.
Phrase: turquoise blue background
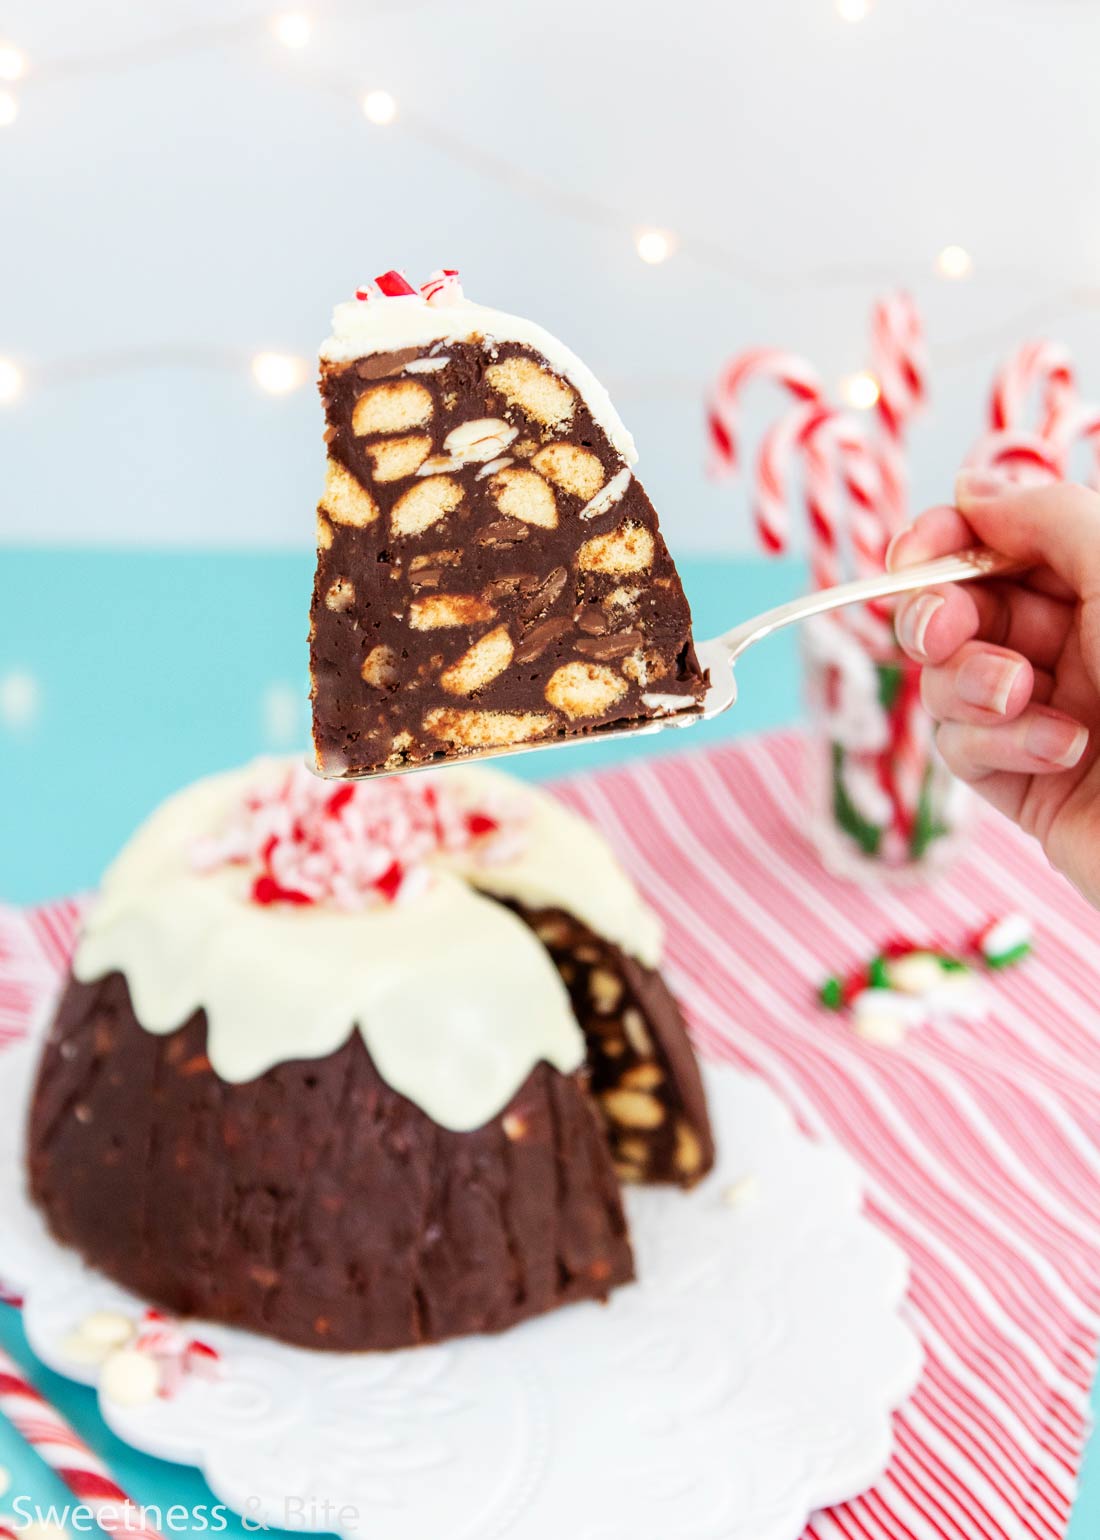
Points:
[[152, 668]]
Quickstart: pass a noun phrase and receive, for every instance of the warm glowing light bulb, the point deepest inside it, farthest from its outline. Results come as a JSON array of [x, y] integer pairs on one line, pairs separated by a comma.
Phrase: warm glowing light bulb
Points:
[[293, 29], [954, 262], [279, 373], [853, 10], [379, 107], [13, 62], [654, 245], [9, 108], [11, 382], [860, 391]]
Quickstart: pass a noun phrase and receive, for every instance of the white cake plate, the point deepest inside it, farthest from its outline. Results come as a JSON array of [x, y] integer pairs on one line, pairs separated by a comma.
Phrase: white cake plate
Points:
[[745, 1381]]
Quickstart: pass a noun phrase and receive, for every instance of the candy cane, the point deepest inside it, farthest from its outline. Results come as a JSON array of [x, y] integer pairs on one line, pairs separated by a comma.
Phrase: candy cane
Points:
[[1042, 365], [1022, 457], [1079, 424], [394, 284], [908, 762], [54, 1440], [792, 374], [841, 484], [794, 437], [443, 287], [899, 362], [861, 472]]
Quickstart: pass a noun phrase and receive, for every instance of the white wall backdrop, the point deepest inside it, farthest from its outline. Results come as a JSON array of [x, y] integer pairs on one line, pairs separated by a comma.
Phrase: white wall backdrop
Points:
[[180, 190]]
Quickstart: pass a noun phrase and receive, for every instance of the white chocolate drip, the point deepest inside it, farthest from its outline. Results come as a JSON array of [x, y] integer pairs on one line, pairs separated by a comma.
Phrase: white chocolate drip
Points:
[[455, 997]]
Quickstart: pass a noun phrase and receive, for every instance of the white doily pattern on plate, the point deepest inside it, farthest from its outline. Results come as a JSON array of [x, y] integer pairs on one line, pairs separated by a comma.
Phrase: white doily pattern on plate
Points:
[[745, 1381]]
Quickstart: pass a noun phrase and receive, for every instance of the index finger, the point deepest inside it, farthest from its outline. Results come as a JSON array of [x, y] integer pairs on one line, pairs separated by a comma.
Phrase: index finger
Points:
[[937, 532], [943, 530]]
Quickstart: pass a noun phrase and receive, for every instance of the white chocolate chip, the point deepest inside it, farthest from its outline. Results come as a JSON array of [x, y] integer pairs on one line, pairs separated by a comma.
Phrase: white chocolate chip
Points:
[[130, 1378], [915, 973], [109, 1326], [79, 1349], [39, 1529], [741, 1193], [883, 1017]]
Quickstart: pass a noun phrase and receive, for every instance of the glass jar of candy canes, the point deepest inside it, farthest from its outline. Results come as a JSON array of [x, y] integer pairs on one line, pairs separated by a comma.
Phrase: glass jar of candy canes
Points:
[[882, 803]]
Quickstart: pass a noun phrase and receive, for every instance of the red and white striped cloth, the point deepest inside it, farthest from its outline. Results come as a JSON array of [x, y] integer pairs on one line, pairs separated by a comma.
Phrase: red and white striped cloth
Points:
[[981, 1142]]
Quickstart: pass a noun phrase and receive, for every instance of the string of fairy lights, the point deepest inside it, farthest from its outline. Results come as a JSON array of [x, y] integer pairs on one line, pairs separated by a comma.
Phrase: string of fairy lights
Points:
[[279, 374]]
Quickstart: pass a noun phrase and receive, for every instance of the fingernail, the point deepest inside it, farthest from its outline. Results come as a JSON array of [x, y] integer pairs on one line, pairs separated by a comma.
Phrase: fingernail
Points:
[[985, 679], [972, 485], [1056, 740], [913, 619], [893, 550]]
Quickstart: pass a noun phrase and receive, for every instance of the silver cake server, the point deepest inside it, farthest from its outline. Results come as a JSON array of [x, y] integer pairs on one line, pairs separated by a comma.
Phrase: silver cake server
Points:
[[718, 656]]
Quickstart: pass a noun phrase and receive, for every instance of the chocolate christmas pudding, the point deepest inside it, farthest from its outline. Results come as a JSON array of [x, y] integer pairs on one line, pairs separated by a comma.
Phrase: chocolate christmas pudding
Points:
[[489, 568], [362, 1066]]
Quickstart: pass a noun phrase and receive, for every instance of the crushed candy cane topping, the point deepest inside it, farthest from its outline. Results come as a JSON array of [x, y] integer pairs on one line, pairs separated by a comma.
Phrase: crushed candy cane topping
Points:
[[442, 288], [357, 845]]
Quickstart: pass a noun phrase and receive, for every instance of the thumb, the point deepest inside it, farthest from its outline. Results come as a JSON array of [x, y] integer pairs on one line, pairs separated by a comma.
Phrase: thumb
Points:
[[1057, 526]]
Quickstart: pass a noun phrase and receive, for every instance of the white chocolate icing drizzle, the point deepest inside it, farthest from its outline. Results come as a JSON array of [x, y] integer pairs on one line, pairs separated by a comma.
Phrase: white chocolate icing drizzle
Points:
[[456, 998], [385, 325]]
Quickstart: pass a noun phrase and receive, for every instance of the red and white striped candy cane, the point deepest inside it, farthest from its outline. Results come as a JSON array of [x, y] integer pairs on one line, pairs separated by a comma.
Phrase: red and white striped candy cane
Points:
[[1022, 457], [1040, 366], [841, 486], [899, 363], [1080, 424], [861, 472], [792, 374], [797, 436], [65, 1452], [908, 760]]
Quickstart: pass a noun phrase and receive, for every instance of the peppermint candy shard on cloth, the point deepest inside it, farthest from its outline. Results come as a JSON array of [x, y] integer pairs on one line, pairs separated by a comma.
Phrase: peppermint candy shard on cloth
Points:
[[1003, 943], [906, 984]]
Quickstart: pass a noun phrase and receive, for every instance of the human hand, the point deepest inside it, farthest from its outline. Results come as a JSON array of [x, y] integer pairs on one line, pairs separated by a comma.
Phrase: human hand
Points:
[[1012, 667]]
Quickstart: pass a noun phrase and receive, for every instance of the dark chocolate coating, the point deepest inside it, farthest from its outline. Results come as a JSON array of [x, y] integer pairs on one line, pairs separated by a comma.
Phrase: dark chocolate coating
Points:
[[528, 577], [317, 1205], [314, 1204]]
